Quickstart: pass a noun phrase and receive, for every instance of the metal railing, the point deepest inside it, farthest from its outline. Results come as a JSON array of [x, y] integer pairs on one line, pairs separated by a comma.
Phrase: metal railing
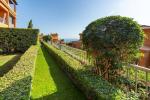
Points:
[[138, 74], [133, 72], [78, 54]]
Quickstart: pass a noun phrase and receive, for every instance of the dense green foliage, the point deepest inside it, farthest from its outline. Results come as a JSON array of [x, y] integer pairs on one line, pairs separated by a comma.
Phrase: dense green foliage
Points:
[[51, 83], [30, 25], [16, 84], [92, 85], [17, 40], [47, 37], [111, 41]]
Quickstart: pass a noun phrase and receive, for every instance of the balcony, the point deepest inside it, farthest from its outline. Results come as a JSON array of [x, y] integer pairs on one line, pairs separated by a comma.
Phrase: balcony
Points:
[[3, 23], [12, 5]]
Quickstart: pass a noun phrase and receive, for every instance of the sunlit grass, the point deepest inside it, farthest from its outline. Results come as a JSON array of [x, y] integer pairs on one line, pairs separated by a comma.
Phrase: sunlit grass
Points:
[[43, 84], [50, 83], [5, 58]]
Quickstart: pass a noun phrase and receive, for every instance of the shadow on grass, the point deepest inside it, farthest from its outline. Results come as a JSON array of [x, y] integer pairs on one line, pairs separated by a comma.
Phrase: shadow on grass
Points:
[[94, 87], [19, 90], [65, 88], [9, 65]]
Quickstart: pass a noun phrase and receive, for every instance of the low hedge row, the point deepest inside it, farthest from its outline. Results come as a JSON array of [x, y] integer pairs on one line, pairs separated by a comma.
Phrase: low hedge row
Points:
[[16, 84], [93, 86], [17, 40]]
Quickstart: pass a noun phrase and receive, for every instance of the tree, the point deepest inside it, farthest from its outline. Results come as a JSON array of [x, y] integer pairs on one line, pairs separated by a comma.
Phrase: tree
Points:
[[30, 25], [47, 37], [111, 42]]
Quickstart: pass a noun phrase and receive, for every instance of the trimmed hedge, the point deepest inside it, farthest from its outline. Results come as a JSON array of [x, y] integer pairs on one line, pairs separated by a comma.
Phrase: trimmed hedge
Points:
[[93, 86], [17, 40], [16, 84]]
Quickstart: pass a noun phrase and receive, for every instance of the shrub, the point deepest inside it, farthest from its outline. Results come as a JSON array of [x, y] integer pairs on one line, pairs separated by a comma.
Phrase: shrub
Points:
[[47, 38], [17, 40], [16, 84], [30, 25], [93, 86], [111, 41]]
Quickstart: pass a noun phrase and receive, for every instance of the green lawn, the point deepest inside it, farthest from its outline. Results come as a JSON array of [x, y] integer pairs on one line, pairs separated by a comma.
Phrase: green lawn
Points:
[[50, 83], [7, 62], [5, 58]]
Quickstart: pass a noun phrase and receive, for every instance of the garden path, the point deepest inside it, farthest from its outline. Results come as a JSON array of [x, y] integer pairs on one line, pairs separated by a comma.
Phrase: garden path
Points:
[[50, 82]]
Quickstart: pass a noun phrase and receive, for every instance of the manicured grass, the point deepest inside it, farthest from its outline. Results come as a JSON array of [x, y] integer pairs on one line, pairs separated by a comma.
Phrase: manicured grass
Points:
[[7, 62], [5, 58], [50, 83]]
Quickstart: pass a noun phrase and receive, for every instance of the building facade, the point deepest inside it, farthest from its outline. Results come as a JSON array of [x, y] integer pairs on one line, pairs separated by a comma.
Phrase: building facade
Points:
[[8, 13], [145, 49], [54, 37]]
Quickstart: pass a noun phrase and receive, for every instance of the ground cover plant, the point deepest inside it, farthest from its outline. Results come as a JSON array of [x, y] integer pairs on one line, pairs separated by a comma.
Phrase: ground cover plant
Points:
[[50, 83]]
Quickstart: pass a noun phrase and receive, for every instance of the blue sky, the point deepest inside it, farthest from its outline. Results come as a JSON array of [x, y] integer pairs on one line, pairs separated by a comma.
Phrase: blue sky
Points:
[[70, 17]]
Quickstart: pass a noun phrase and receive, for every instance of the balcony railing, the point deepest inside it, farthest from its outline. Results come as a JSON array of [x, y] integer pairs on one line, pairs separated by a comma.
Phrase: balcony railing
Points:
[[3, 20], [11, 5]]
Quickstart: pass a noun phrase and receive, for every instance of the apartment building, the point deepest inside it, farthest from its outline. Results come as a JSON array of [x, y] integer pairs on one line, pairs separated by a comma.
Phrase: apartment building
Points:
[[54, 37], [145, 49], [8, 13]]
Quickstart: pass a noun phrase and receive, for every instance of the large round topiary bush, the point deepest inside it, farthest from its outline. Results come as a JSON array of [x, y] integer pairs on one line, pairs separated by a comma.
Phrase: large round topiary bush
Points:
[[112, 41]]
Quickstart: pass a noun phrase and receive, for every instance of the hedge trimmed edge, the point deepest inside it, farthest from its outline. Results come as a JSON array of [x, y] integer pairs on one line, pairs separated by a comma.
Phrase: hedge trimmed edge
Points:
[[16, 84], [93, 86]]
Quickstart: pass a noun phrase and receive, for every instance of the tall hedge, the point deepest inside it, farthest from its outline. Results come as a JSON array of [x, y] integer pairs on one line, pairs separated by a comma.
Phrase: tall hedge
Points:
[[17, 40]]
